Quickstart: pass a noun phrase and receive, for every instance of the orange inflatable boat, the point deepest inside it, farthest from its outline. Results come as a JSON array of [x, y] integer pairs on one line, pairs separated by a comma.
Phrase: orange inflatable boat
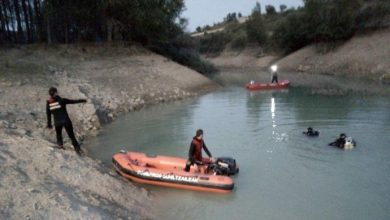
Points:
[[266, 86], [169, 172]]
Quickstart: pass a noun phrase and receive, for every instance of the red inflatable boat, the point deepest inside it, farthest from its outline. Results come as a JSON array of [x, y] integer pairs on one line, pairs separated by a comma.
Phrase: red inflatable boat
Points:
[[266, 86], [169, 172]]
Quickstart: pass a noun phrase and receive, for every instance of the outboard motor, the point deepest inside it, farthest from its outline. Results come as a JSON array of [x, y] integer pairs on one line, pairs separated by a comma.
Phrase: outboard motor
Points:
[[225, 166]]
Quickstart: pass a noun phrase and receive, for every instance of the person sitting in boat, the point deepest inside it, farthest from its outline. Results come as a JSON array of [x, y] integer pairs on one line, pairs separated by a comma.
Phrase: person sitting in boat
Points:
[[195, 152], [343, 142], [274, 73], [252, 82], [311, 133]]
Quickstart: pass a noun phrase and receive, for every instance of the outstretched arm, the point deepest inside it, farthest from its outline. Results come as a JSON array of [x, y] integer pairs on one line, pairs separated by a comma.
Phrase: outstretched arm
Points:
[[73, 101], [206, 149], [48, 114]]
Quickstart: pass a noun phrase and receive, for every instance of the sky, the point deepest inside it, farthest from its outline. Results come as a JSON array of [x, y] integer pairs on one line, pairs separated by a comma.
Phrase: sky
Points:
[[203, 12]]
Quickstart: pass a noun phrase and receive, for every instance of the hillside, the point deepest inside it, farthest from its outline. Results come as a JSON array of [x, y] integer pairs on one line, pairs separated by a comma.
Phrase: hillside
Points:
[[363, 56], [39, 181]]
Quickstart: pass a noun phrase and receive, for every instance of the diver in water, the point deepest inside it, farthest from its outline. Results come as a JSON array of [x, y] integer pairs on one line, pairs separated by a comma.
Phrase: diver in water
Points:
[[57, 106], [339, 142], [195, 152], [311, 133], [343, 142]]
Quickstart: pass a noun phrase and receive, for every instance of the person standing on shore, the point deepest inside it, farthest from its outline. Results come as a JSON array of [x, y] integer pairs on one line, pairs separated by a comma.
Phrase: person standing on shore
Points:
[[195, 152], [274, 73], [57, 106]]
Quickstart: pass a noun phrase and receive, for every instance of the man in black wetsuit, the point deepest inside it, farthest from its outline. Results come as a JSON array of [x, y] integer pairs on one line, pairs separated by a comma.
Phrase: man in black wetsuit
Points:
[[57, 106], [339, 142], [195, 152]]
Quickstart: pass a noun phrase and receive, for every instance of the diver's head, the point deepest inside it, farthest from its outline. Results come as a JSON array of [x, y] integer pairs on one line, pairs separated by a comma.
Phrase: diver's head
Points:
[[309, 129], [342, 135]]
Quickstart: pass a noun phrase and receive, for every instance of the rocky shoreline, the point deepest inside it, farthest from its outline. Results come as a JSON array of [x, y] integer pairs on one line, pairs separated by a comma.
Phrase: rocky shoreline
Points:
[[38, 181]]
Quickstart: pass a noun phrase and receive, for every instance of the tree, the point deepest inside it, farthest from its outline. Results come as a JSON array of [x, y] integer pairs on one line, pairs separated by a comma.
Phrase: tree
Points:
[[26, 21], [31, 20], [231, 17], [11, 20], [68, 21], [19, 21], [38, 19], [255, 27], [330, 20], [291, 33], [48, 12], [257, 8], [198, 29], [239, 14], [2, 27], [282, 8], [270, 10]]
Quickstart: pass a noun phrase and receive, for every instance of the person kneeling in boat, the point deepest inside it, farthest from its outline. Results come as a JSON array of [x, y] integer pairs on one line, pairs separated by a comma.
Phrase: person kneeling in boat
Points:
[[195, 152]]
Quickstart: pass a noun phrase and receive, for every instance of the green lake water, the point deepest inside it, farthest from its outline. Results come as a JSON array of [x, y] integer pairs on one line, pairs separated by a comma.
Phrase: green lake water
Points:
[[283, 174]]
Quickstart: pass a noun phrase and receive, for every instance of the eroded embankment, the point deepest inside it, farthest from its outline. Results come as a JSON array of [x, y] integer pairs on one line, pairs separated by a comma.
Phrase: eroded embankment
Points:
[[359, 65], [38, 181], [365, 56]]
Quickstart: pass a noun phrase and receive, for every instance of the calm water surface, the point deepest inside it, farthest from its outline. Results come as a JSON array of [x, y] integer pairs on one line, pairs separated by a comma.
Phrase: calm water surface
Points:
[[283, 174]]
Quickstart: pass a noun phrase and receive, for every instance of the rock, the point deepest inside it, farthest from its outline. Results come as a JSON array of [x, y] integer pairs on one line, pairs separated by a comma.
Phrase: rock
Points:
[[12, 126], [8, 84], [385, 79], [32, 190], [52, 69], [21, 131], [303, 68], [4, 124]]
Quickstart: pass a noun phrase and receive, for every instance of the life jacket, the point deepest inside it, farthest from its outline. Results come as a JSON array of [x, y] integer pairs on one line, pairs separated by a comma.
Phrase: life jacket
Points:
[[198, 148], [57, 108], [54, 105]]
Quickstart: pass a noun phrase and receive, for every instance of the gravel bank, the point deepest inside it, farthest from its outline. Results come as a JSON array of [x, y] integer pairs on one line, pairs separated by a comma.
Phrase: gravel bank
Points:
[[38, 181]]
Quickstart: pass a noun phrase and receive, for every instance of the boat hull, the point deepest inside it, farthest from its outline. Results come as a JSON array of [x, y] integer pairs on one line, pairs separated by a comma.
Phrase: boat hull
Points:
[[168, 172], [284, 84]]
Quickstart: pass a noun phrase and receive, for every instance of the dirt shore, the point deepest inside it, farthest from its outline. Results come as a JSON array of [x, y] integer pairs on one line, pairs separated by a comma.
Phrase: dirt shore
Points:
[[38, 181]]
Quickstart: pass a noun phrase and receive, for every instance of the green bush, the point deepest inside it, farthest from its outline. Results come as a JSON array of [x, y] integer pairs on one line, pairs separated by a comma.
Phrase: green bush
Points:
[[214, 43], [319, 21], [291, 33], [255, 28], [373, 15], [239, 42], [182, 50]]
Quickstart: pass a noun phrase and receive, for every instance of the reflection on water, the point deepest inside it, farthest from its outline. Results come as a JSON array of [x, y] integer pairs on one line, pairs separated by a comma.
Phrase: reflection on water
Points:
[[283, 174]]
